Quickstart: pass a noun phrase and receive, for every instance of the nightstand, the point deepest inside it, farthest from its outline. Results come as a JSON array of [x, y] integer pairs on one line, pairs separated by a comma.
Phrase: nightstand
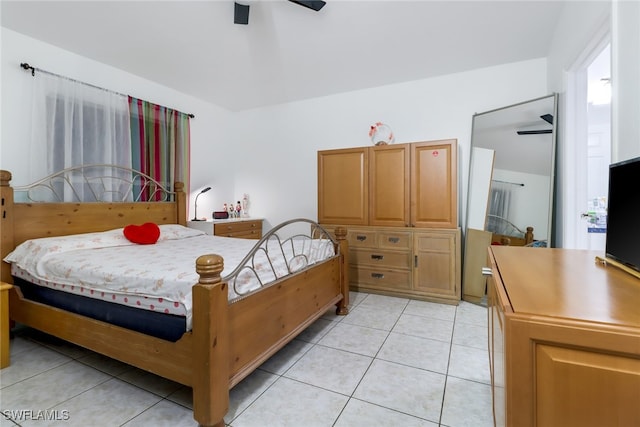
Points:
[[4, 324], [244, 228]]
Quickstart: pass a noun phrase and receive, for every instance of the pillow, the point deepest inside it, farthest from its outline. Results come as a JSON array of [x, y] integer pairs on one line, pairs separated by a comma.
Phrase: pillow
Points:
[[177, 231], [145, 234]]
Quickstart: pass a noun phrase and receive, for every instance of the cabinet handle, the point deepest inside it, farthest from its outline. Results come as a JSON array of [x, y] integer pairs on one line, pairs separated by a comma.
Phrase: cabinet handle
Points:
[[361, 238], [377, 275], [394, 239], [486, 271], [378, 257], [415, 260]]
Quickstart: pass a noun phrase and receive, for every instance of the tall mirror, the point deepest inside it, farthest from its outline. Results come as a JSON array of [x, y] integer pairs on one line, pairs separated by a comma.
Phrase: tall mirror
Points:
[[511, 181]]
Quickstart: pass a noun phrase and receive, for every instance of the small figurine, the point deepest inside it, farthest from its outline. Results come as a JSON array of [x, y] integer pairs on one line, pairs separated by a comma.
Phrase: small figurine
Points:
[[245, 205], [238, 209]]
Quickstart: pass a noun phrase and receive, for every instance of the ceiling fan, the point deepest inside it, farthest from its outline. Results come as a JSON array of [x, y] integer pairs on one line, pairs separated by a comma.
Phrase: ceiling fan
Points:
[[241, 11], [547, 118]]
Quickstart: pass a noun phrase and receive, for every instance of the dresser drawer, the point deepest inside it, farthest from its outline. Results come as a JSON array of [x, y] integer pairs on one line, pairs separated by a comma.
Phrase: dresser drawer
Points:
[[379, 258], [243, 229], [248, 234], [362, 239], [394, 240], [382, 278]]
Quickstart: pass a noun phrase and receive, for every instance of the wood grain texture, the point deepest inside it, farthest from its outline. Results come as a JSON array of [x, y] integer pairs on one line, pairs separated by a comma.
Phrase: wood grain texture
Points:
[[222, 347], [564, 339]]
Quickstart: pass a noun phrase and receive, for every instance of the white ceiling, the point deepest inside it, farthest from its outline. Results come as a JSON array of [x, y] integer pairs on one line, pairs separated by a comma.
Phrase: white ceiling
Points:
[[497, 130], [288, 52]]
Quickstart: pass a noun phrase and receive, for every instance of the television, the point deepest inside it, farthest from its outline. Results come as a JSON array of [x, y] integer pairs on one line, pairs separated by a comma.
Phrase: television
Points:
[[623, 214]]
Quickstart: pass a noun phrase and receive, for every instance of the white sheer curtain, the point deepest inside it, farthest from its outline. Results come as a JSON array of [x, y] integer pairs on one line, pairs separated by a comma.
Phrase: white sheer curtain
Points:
[[499, 204], [75, 124]]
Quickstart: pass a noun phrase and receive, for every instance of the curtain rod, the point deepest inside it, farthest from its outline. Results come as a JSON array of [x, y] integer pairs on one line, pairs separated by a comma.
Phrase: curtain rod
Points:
[[26, 66], [507, 182]]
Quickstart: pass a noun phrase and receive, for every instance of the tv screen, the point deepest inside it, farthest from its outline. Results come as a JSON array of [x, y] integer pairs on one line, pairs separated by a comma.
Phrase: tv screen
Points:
[[623, 213]]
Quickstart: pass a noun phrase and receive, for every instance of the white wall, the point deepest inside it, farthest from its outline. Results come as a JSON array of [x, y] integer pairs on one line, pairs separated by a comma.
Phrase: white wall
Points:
[[527, 211], [210, 129], [625, 68], [278, 145], [270, 153], [581, 27]]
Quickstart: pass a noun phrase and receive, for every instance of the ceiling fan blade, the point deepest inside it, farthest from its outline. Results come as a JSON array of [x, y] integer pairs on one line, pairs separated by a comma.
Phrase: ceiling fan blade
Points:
[[534, 132], [241, 14], [313, 4]]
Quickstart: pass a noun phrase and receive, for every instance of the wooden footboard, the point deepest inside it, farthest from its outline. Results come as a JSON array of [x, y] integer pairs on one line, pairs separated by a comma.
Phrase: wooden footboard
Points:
[[227, 341]]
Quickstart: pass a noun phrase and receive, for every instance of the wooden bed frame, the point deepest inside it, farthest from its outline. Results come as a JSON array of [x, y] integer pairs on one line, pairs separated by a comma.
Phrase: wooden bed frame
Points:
[[502, 239], [227, 341]]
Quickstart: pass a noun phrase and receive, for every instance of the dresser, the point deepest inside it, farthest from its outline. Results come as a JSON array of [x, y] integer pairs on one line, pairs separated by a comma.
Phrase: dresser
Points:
[[244, 228], [418, 263], [399, 205], [564, 339]]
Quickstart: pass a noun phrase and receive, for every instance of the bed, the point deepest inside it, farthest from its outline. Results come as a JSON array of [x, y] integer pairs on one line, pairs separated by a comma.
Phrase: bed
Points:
[[231, 330], [504, 232]]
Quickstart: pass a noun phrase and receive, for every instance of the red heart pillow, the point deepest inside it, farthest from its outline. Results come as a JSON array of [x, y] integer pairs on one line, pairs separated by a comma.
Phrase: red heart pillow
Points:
[[145, 234]]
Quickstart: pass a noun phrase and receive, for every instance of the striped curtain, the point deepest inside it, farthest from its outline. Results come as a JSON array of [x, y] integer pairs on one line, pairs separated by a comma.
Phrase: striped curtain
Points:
[[160, 144]]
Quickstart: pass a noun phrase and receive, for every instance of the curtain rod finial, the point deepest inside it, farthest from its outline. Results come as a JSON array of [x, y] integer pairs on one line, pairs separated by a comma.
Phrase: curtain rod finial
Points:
[[26, 66]]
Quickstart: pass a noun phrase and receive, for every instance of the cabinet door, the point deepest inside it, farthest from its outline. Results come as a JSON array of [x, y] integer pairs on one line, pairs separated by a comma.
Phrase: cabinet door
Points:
[[343, 186], [434, 184], [436, 264], [389, 185], [585, 387]]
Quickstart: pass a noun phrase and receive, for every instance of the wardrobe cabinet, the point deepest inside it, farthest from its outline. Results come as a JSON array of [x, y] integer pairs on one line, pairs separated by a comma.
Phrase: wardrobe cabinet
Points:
[[399, 205], [398, 185]]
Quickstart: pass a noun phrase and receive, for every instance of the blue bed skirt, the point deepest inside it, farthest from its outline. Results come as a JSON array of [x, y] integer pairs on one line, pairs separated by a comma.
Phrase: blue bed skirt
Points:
[[160, 325]]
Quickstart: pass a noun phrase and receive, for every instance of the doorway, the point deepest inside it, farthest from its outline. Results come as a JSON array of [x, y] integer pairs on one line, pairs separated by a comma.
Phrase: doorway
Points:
[[588, 155], [598, 151]]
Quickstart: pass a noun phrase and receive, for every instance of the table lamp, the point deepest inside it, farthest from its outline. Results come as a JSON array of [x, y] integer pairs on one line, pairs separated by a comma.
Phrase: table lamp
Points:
[[195, 211]]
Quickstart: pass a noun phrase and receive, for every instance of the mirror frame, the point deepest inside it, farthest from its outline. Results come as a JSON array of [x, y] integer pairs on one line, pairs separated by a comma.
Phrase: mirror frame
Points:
[[552, 176], [476, 241]]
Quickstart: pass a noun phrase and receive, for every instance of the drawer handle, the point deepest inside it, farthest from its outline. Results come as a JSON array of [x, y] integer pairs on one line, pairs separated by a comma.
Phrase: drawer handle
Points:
[[394, 239], [361, 238], [486, 271], [377, 275], [378, 257]]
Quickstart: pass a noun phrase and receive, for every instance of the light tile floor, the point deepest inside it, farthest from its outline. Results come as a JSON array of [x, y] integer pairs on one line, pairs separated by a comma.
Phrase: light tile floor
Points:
[[389, 362]]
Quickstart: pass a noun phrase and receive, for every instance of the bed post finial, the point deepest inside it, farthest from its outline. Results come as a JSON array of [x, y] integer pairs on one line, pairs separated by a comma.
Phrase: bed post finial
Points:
[[5, 178], [209, 268]]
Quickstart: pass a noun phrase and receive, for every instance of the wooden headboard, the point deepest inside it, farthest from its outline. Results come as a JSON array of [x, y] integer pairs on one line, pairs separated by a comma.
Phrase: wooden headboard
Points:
[[21, 221]]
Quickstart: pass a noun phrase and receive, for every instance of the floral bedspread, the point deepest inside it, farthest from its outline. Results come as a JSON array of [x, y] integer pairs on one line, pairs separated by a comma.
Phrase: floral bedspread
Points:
[[159, 276]]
